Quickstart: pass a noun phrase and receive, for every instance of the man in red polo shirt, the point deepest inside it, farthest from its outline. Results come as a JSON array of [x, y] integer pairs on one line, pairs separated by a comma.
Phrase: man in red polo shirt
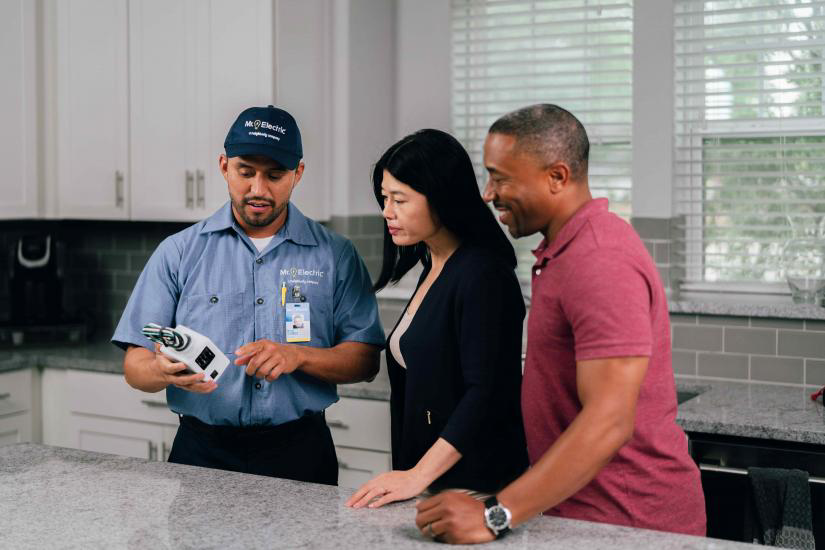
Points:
[[598, 395]]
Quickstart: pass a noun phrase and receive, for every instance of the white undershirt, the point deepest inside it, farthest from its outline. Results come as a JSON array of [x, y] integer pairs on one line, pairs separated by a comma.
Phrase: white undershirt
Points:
[[261, 243], [395, 339]]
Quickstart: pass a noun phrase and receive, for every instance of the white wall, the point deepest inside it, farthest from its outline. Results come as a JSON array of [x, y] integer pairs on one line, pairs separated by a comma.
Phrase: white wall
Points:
[[422, 66]]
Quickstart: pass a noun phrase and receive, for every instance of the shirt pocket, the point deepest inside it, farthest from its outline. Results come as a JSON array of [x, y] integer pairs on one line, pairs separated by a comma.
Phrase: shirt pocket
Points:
[[320, 315], [219, 316]]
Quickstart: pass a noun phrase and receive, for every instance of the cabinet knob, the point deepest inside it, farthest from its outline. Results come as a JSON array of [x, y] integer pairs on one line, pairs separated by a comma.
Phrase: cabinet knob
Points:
[[337, 424], [118, 189], [201, 189], [5, 395], [150, 403], [153, 451], [190, 189]]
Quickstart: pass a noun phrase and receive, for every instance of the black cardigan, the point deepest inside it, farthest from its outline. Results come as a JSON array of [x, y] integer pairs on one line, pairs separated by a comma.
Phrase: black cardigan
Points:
[[463, 375]]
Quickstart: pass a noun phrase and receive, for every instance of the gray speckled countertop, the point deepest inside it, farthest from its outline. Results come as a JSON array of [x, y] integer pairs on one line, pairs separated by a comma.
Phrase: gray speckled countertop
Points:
[[747, 409], [51, 497], [737, 308]]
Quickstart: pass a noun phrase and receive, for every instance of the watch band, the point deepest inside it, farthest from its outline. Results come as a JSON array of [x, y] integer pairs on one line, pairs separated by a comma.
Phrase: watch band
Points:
[[492, 502]]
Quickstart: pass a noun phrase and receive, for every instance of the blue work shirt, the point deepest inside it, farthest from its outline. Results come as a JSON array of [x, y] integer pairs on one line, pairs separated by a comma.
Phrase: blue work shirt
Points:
[[211, 278]]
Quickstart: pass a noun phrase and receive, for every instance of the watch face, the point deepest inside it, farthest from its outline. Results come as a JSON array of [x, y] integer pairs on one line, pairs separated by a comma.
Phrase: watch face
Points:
[[497, 517]]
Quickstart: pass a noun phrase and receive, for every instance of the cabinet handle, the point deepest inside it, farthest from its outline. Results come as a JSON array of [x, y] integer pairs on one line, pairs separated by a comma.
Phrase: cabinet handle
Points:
[[190, 189], [201, 188], [743, 472], [345, 466], [337, 424], [5, 395], [150, 403], [118, 189], [165, 451], [153, 451]]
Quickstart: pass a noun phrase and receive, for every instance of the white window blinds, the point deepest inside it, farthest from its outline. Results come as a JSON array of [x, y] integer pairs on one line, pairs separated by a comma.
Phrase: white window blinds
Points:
[[576, 54], [750, 137]]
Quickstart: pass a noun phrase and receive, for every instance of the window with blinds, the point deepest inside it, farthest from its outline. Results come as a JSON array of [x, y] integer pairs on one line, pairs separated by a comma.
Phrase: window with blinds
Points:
[[576, 54], [750, 137]]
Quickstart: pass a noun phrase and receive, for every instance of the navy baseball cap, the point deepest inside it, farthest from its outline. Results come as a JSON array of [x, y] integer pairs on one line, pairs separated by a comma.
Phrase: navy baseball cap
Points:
[[267, 131]]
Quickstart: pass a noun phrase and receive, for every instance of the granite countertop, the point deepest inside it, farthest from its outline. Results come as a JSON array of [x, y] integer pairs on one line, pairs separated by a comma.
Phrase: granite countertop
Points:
[[747, 409], [55, 497]]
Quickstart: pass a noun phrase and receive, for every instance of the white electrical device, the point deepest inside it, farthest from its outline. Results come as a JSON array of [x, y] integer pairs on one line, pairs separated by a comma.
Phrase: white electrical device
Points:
[[196, 351]]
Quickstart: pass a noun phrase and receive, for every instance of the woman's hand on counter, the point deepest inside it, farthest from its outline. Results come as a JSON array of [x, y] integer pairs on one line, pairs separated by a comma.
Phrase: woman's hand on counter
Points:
[[388, 487]]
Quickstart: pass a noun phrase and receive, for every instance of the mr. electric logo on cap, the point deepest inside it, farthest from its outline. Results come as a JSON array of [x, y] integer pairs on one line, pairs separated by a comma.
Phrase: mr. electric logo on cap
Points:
[[258, 124]]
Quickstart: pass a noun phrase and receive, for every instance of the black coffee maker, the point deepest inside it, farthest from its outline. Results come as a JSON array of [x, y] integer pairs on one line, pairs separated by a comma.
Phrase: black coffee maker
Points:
[[36, 282]]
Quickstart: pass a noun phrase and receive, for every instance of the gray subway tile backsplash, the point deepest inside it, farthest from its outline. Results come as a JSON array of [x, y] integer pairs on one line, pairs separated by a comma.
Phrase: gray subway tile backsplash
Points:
[[814, 372], [750, 340], [789, 370], [698, 337], [787, 324], [795, 343], [723, 365], [684, 362], [723, 320]]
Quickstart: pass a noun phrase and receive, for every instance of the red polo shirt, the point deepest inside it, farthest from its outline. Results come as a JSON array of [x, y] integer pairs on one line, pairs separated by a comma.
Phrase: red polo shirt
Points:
[[597, 294]]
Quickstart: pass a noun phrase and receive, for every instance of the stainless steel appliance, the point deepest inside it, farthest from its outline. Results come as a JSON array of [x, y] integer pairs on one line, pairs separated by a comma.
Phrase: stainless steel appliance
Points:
[[723, 462]]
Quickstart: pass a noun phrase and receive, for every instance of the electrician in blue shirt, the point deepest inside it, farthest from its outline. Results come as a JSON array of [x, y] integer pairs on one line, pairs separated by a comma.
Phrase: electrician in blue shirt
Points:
[[232, 277]]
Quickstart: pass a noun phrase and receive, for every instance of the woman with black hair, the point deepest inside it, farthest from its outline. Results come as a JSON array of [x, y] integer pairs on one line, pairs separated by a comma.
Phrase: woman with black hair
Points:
[[454, 357]]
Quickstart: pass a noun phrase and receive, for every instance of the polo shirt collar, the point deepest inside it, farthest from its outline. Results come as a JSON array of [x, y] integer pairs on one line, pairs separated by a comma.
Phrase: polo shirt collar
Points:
[[296, 228], [548, 251]]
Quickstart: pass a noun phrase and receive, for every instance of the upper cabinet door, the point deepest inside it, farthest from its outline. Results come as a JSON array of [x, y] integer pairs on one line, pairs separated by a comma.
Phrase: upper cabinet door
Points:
[[241, 74], [18, 132], [165, 108], [93, 111]]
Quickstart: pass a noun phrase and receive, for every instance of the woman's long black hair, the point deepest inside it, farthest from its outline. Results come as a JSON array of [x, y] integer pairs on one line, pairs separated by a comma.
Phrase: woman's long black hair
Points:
[[436, 165]]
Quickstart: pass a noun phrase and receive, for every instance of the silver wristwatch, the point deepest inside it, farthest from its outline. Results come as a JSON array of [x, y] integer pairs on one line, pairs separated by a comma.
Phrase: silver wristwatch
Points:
[[497, 517]]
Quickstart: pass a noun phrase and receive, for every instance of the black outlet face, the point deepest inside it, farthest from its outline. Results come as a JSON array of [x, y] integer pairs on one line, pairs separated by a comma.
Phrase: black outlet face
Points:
[[205, 358], [214, 374]]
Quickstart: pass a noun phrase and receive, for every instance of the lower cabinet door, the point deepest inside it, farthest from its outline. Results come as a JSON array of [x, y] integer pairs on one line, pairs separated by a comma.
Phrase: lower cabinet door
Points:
[[15, 428], [120, 437], [357, 466]]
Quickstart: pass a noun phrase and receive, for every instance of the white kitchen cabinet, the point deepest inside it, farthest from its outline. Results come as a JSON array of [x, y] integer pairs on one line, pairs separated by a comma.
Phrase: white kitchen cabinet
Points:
[[18, 111], [106, 415], [92, 93], [361, 432], [17, 404], [140, 128], [193, 67]]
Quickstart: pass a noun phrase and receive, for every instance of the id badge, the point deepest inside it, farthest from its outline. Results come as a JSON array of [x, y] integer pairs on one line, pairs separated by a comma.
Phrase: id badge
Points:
[[297, 322]]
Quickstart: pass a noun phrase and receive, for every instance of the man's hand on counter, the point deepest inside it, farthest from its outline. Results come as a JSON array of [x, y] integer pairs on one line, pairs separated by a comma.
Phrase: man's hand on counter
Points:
[[453, 517], [266, 359]]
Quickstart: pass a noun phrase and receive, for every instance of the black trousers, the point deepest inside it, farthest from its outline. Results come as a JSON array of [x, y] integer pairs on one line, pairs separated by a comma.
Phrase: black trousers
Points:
[[301, 450]]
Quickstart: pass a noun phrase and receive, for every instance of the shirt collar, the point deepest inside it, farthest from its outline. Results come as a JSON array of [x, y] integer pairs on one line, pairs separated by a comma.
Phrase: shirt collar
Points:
[[548, 251], [296, 228]]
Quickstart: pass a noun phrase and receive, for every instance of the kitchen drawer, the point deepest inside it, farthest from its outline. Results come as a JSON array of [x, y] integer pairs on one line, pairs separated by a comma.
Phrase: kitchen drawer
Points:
[[104, 394], [16, 428], [360, 423], [356, 466], [15, 391]]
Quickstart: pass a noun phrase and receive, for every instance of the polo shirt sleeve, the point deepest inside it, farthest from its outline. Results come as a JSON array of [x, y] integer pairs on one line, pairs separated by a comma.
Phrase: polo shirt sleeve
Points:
[[154, 298], [607, 300], [355, 309]]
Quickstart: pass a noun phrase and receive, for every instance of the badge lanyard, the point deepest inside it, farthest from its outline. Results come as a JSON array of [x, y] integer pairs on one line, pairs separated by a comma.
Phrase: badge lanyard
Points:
[[296, 315]]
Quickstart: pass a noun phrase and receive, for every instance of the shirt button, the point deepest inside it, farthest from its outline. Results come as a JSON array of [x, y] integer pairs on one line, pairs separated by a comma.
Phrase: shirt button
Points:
[[213, 299], [257, 385], [260, 301], [538, 272], [259, 261]]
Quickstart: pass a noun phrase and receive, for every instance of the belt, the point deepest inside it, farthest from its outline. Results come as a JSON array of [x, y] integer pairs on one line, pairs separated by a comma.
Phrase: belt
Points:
[[280, 430]]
